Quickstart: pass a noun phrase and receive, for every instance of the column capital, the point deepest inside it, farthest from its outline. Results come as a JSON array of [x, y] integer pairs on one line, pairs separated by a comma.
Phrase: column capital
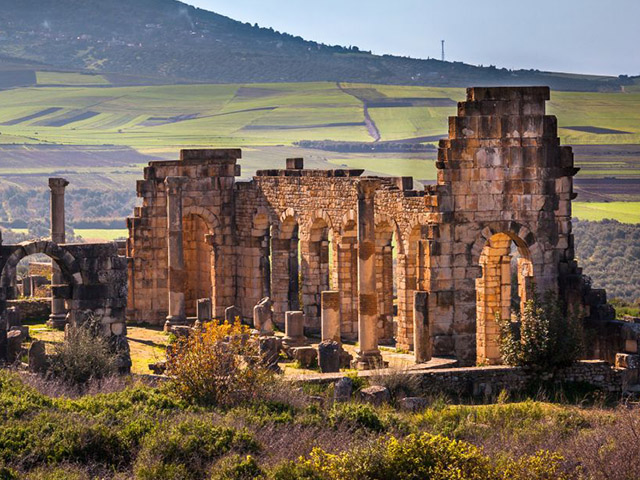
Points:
[[366, 187], [57, 185], [174, 184]]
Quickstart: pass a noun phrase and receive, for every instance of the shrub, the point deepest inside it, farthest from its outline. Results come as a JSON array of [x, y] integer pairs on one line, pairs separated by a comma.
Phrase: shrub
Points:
[[218, 365], [236, 467], [185, 449], [84, 355], [356, 414], [545, 337]]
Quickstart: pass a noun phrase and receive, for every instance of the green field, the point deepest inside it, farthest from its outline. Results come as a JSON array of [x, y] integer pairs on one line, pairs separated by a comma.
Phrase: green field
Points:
[[625, 212], [266, 114], [101, 234]]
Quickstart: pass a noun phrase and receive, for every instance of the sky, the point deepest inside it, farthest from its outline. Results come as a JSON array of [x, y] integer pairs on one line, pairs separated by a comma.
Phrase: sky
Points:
[[599, 37]]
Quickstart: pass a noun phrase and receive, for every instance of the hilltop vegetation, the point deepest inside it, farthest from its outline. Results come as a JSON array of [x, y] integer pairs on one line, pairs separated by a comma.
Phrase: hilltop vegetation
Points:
[[609, 252], [170, 40]]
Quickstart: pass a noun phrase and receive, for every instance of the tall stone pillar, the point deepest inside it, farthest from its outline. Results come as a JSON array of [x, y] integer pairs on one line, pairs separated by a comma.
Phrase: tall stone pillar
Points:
[[368, 354], [330, 317], [58, 316], [421, 333], [176, 274]]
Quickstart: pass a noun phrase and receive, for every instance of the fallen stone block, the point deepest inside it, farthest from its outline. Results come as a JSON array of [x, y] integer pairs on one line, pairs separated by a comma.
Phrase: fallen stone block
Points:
[[412, 404], [342, 390], [306, 356], [329, 356], [37, 355], [375, 395]]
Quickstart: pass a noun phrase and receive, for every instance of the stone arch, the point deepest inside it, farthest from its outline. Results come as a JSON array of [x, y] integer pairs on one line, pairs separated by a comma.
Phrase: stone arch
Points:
[[318, 258], [524, 239], [68, 265], [496, 291], [285, 274], [212, 222], [386, 229], [200, 228], [288, 220]]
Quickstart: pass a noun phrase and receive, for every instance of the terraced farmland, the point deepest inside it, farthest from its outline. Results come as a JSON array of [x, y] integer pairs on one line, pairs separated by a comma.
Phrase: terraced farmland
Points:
[[78, 110]]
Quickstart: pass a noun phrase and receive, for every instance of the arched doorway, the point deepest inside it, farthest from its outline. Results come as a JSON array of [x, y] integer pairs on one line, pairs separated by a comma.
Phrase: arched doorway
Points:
[[198, 260], [317, 272], [386, 278], [285, 269], [504, 287]]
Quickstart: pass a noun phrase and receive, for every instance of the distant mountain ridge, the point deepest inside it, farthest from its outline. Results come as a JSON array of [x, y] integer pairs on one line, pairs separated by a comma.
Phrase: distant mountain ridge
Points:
[[176, 42]]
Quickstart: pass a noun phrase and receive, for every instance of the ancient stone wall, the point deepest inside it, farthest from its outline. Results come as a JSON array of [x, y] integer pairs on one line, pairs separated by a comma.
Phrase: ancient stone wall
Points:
[[93, 280], [495, 229]]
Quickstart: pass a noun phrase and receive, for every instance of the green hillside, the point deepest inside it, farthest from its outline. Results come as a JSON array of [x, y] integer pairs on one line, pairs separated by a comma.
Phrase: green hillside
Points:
[[273, 114], [175, 42]]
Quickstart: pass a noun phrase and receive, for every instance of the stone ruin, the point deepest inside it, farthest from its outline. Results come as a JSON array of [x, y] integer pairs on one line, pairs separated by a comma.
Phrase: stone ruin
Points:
[[88, 280], [347, 256], [426, 270]]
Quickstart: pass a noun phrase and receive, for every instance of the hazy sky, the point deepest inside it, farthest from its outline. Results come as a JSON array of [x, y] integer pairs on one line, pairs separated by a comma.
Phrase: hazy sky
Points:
[[585, 36]]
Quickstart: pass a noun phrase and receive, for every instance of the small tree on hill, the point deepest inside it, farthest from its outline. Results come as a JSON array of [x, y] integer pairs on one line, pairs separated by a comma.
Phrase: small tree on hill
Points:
[[545, 335]]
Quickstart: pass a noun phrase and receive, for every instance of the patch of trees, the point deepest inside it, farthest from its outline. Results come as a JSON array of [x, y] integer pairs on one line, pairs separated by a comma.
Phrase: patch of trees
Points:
[[85, 208], [365, 147], [609, 252]]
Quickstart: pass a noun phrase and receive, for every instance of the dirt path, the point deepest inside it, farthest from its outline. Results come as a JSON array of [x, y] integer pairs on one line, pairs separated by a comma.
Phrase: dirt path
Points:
[[368, 121]]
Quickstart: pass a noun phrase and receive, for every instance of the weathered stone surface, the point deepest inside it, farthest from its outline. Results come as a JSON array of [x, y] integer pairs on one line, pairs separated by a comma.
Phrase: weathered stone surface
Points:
[[329, 356], [294, 329], [269, 351], [263, 317], [412, 404], [306, 356], [231, 314], [375, 395], [342, 390], [626, 360], [37, 357], [14, 345], [158, 367]]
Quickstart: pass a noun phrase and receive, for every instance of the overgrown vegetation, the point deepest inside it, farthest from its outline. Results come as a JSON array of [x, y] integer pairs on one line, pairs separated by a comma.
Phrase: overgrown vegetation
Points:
[[133, 431], [84, 355], [609, 252], [545, 336], [218, 365]]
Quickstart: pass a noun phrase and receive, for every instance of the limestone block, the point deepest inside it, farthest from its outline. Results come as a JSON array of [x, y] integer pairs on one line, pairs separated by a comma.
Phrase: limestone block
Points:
[[342, 390], [306, 356], [375, 395]]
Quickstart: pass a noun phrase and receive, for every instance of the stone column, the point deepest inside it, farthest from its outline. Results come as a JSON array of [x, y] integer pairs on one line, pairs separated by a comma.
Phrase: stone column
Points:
[[176, 274], [368, 353], [421, 335], [294, 329], [330, 316], [58, 316]]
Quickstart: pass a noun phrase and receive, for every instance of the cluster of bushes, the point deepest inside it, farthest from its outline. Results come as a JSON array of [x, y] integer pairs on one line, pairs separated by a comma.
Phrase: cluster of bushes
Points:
[[609, 252], [143, 432]]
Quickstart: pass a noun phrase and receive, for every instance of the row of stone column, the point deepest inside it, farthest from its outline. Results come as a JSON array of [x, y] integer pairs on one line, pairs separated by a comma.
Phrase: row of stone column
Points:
[[368, 353]]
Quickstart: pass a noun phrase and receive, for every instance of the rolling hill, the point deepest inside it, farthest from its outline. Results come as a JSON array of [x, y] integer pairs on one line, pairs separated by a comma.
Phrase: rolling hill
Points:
[[144, 41]]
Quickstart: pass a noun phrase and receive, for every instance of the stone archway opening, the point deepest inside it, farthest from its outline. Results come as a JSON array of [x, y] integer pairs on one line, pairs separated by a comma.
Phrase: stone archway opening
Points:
[[262, 235], [34, 276], [506, 284], [199, 262], [386, 280], [285, 269], [317, 274]]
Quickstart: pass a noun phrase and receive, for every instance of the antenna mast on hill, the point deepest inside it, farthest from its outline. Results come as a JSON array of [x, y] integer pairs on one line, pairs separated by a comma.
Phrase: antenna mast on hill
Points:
[[442, 41]]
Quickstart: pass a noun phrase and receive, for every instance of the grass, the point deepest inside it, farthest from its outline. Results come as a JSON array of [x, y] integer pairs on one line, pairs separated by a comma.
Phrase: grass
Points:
[[101, 234], [69, 78], [228, 114], [625, 212]]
